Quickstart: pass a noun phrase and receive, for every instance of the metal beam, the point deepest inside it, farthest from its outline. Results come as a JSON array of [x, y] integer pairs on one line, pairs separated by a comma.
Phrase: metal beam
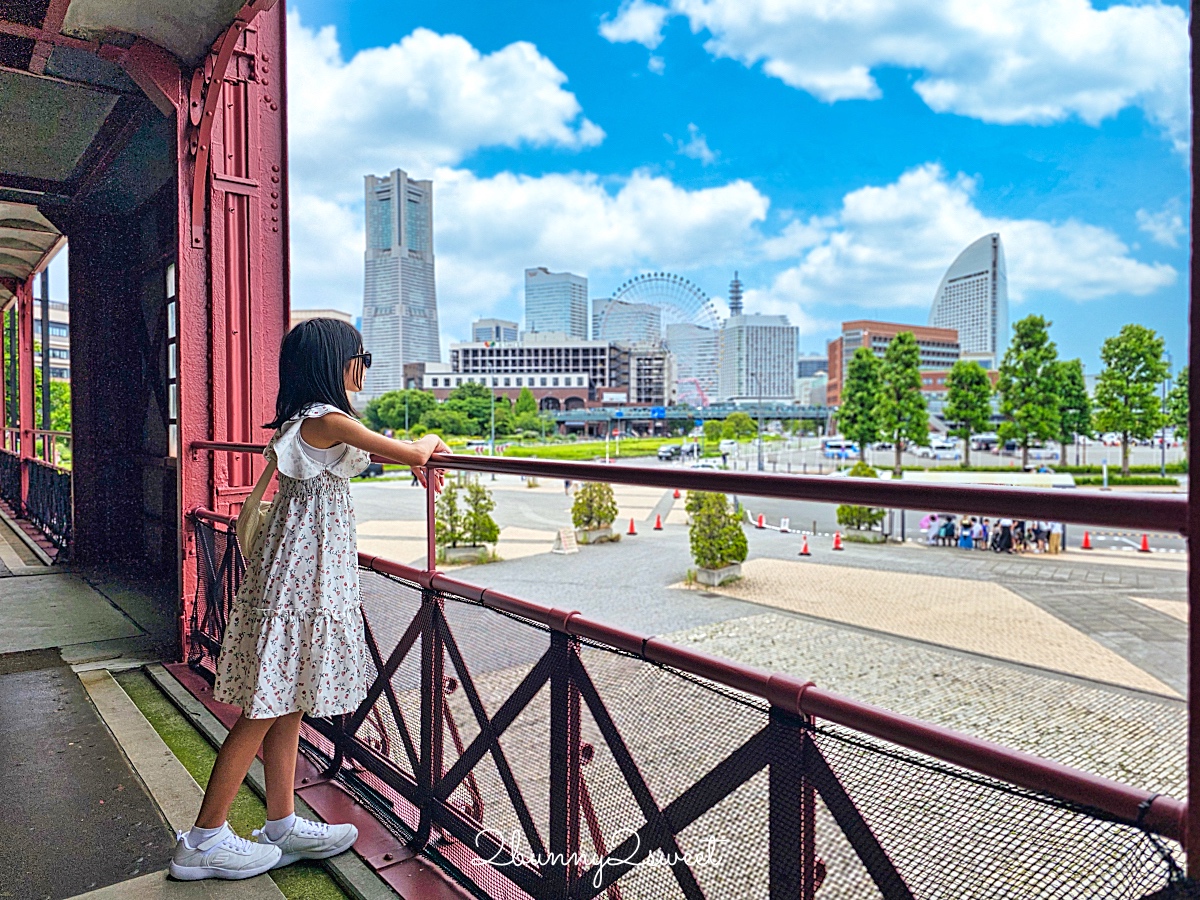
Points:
[[51, 24], [41, 35]]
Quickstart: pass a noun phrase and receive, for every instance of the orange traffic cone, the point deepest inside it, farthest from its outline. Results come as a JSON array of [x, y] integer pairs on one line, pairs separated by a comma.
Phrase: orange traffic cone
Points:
[[837, 540], [631, 530], [658, 523], [1087, 541], [804, 547], [1145, 548], [760, 522], [676, 493]]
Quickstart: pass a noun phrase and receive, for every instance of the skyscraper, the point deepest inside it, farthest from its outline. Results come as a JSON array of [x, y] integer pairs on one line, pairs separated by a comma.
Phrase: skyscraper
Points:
[[973, 300], [400, 316], [556, 301], [493, 330], [696, 353], [629, 323], [757, 358]]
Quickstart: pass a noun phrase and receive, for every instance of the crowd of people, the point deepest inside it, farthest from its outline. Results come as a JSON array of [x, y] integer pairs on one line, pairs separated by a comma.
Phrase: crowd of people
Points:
[[998, 535]]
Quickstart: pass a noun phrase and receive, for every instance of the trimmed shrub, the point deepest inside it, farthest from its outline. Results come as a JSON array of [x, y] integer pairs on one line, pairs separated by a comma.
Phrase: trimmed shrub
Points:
[[860, 517], [716, 535], [594, 506]]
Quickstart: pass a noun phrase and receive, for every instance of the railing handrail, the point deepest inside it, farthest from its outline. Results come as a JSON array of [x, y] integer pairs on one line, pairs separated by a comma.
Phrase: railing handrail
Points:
[[1159, 813], [51, 433], [1147, 511]]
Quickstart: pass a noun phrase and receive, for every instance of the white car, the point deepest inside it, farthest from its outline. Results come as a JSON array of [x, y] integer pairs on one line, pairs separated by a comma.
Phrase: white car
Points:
[[939, 449], [706, 464]]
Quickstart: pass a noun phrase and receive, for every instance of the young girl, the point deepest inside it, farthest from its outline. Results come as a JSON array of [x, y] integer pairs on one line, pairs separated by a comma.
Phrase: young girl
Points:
[[294, 643]]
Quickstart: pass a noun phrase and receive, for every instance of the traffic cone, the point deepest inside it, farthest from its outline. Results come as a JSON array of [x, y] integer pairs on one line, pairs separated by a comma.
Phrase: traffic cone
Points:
[[1145, 548], [1087, 541], [658, 523], [760, 522], [804, 547], [631, 530], [837, 540], [676, 493]]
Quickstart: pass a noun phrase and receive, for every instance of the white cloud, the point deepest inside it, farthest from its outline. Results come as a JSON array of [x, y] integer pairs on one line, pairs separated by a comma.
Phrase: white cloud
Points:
[[1009, 61], [489, 229], [636, 22], [696, 147], [656, 64], [429, 100], [887, 247], [1165, 226]]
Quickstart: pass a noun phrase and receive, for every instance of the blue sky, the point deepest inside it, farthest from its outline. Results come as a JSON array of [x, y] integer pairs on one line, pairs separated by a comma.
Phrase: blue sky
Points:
[[838, 164]]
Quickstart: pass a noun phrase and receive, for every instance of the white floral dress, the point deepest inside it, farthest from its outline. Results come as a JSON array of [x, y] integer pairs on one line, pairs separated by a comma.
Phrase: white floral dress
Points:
[[295, 639]]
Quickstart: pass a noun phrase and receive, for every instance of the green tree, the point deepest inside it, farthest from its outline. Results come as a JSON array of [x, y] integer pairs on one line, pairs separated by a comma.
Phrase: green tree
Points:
[[594, 506], [1075, 406], [448, 421], [478, 526], [713, 429], [968, 402], [1029, 386], [474, 400], [860, 396], [449, 515], [860, 517], [1178, 406], [739, 425], [391, 410], [902, 413], [716, 536], [526, 403], [1127, 400]]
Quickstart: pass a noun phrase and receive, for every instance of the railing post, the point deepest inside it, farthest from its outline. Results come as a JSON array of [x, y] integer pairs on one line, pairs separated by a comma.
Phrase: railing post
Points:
[[565, 766], [791, 815], [25, 383]]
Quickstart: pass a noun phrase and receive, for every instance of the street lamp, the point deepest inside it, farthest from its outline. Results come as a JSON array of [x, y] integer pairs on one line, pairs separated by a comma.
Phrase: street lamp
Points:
[[758, 381], [1162, 437]]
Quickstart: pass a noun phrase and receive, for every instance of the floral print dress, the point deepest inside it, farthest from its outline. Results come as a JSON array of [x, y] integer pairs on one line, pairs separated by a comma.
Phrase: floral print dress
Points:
[[294, 641]]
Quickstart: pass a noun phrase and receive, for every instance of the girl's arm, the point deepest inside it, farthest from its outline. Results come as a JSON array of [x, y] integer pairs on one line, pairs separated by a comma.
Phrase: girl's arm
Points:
[[341, 429]]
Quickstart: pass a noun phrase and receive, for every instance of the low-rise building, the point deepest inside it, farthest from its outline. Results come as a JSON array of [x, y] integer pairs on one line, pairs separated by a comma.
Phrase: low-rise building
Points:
[[938, 347]]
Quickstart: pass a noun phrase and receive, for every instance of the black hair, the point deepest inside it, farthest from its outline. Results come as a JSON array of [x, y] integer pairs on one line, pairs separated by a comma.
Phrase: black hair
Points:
[[312, 367]]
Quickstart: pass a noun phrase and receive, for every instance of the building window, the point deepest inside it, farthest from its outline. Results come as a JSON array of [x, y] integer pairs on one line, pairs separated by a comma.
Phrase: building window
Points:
[[507, 382], [519, 381], [554, 381], [543, 382], [59, 330]]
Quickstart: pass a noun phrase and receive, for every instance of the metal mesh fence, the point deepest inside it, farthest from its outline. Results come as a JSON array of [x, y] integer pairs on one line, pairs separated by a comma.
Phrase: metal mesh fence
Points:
[[657, 748]]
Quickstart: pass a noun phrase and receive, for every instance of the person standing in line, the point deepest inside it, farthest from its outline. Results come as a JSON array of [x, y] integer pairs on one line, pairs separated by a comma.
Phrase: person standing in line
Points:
[[1005, 544], [294, 644], [1056, 533]]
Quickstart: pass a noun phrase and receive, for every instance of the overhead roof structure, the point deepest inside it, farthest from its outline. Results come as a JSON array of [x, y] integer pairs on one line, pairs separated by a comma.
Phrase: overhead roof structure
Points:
[[71, 109]]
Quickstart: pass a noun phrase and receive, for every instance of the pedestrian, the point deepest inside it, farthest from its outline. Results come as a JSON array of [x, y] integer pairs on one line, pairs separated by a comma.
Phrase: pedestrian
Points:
[[1005, 543], [567, 486], [1056, 533], [978, 536], [1042, 536], [929, 528], [294, 642]]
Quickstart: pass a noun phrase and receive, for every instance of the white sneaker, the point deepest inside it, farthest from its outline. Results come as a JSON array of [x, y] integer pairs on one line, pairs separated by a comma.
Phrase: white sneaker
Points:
[[224, 855], [310, 840]]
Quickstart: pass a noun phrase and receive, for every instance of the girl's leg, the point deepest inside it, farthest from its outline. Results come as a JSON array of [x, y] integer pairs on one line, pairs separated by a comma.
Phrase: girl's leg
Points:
[[280, 747], [233, 762]]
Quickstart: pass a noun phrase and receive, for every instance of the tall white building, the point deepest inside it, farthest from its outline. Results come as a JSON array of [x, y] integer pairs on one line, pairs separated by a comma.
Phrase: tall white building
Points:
[[757, 359], [400, 316], [973, 300], [556, 301], [629, 323], [493, 330], [696, 353]]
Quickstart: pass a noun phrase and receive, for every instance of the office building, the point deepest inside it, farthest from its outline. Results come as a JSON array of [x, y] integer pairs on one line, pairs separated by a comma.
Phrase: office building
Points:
[[809, 364], [652, 376], [696, 353], [60, 342], [400, 315], [548, 363], [757, 359], [973, 300], [493, 330], [938, 347], [627, 323], [810, 389], [556, 302]]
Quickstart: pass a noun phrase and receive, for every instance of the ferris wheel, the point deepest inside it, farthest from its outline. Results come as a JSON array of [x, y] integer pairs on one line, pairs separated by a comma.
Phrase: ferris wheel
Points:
[[651, 302]]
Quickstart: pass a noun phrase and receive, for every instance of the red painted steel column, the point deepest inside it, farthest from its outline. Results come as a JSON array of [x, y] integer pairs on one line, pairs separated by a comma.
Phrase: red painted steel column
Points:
[[25, 382], [1193, 525], [233, 270]]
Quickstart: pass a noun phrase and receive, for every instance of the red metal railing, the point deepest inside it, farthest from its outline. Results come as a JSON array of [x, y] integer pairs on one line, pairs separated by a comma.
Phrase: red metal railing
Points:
[[791, 743]]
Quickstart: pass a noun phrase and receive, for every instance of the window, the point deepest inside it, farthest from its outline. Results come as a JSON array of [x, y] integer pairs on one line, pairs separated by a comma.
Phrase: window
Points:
[[60, 374], [555, 381], [56, 353], [507, 382], [59, 330], [519, 381], [543, 382]]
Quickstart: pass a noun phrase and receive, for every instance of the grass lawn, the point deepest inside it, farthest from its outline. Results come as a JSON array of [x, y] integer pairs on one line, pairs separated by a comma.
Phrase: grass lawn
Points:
[[303, 880]]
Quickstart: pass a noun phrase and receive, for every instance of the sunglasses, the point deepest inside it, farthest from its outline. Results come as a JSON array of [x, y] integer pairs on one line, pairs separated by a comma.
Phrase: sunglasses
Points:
[[365, 357]]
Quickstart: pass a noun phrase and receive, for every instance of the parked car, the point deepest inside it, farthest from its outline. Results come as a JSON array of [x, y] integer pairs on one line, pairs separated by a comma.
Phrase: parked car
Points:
[[985, 442], [728, 446], [939, 448], [670, 451], [706, 464], [374, 470]]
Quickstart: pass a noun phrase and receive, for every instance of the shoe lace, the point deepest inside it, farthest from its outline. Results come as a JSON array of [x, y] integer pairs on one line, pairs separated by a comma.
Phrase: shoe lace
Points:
[[237, 844], [310, 828]]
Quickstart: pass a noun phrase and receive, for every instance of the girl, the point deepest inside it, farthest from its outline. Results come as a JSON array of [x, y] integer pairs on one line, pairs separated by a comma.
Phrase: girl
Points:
[[294, 643]]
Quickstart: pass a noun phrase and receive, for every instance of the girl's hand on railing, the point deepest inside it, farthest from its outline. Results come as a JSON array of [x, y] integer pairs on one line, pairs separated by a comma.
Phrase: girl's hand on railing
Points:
[[439, 476]]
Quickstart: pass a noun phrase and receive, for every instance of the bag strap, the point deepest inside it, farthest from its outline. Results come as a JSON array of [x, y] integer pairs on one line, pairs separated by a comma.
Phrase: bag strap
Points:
[[260, 486]]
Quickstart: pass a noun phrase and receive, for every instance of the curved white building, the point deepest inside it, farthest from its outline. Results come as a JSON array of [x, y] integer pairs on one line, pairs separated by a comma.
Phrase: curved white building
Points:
[[973, 299]]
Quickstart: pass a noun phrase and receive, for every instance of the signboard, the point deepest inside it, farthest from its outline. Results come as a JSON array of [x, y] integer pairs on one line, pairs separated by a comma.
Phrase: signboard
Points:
[[619, 414], [699, 423], [783, 525], [564, 541], [614, 397], [658, 412]]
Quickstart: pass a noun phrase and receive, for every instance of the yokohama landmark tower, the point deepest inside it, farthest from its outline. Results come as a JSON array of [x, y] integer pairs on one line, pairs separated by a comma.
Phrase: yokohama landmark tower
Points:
[[400, 316]]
